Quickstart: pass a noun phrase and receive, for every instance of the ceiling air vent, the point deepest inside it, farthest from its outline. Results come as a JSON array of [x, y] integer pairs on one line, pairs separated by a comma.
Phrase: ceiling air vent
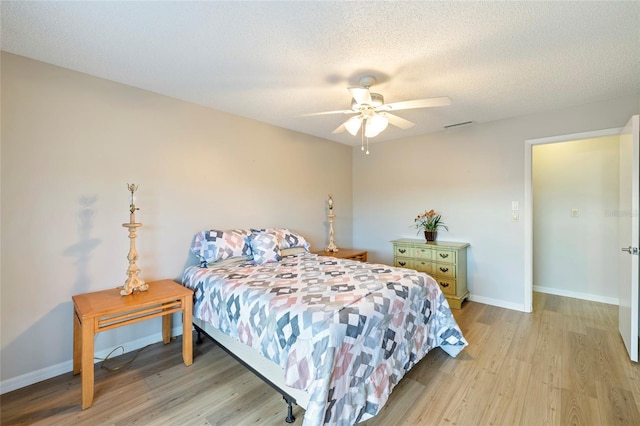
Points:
[[464, 123]]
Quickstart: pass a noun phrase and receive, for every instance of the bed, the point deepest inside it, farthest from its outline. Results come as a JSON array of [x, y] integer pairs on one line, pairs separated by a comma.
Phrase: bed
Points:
[[333, 335]]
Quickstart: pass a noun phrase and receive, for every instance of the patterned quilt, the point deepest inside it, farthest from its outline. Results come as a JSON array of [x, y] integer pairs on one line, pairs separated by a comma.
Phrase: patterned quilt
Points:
[[344, 331]]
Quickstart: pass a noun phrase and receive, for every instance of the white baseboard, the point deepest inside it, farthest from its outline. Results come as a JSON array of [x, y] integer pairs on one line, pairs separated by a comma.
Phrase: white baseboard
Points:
[[497, 302], [577, 295], [548, 290], [27, 379]]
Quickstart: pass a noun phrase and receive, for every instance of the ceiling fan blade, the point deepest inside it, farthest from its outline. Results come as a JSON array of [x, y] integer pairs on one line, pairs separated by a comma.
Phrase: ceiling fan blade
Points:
[[342, 111], [417, 103], [361, 95], [399, 121]]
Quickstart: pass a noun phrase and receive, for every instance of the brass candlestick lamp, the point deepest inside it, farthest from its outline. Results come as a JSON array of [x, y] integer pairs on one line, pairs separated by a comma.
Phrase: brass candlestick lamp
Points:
[[133, 283]]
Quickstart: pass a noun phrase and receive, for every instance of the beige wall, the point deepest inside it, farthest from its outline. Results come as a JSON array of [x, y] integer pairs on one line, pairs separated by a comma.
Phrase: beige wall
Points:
[[471, 174], [71, 143]]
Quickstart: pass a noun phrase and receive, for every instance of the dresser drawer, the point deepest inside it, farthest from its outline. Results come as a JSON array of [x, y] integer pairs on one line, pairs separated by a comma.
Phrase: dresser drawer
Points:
[[424, 253], [423, 266], [445, 256], [404, 263], [447, 285], [444, 270], [403, 251]]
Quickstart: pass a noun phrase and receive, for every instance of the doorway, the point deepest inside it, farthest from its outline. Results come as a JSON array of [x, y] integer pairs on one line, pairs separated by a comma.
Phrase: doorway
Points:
[[528, 200], [575, 187]]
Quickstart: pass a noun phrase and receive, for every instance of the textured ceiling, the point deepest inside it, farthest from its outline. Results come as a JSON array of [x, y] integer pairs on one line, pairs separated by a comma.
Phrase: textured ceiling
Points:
[[272, 61]]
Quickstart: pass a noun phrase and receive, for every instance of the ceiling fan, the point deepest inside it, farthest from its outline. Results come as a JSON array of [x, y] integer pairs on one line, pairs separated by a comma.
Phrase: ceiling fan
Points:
[[372, 114]]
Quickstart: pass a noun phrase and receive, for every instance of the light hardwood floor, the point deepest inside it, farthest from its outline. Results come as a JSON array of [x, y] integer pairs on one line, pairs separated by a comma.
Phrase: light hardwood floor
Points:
[[565, 364]]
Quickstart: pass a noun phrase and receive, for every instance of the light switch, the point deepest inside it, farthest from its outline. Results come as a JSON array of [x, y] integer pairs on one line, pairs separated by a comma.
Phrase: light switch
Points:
[[515, 217], [575, 212], [514, 205]]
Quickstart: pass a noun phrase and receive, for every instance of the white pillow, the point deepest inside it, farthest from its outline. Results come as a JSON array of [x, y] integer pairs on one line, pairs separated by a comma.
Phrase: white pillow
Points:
[[293, 251], [233, 261]]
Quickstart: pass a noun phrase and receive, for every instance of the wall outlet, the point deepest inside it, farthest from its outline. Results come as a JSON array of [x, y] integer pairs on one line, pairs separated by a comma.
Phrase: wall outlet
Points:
[[515, 217]]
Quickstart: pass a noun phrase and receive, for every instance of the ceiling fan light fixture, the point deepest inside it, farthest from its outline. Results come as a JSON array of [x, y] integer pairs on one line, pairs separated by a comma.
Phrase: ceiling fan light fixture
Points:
[[376, 124], [372, 115], [353, 125]]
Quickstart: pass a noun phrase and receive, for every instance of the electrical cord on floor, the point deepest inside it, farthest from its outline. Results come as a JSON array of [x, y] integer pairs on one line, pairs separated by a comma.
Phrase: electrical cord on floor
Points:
[[124, 364]]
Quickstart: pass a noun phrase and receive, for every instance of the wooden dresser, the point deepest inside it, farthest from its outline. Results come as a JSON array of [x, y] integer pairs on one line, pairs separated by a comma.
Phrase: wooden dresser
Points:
[[444, 261]]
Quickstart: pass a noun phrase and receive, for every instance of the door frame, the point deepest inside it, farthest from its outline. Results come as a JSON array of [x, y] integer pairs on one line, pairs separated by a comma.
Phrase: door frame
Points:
[[528, 199]]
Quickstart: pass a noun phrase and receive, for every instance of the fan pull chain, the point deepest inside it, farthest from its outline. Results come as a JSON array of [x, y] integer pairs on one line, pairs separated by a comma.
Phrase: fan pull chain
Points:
[[362, 137]]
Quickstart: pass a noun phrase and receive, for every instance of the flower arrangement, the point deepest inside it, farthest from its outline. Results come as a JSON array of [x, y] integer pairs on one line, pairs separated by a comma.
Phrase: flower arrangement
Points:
[[429, 221]]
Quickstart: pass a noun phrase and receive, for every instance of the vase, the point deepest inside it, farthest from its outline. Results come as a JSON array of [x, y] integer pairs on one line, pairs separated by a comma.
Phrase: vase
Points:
[[430, 235]]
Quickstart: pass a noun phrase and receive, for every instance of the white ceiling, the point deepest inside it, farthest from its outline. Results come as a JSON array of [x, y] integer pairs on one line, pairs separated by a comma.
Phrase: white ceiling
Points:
[[272, 61]]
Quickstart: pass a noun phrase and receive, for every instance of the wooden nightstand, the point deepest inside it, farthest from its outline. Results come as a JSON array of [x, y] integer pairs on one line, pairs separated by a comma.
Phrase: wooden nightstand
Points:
[[104, 310], [352, 254]]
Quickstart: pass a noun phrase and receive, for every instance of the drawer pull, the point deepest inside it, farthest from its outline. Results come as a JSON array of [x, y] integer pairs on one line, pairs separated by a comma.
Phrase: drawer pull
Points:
[[443, 269], [402, 250], [444, 284], [402, 263], [444, 255]]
